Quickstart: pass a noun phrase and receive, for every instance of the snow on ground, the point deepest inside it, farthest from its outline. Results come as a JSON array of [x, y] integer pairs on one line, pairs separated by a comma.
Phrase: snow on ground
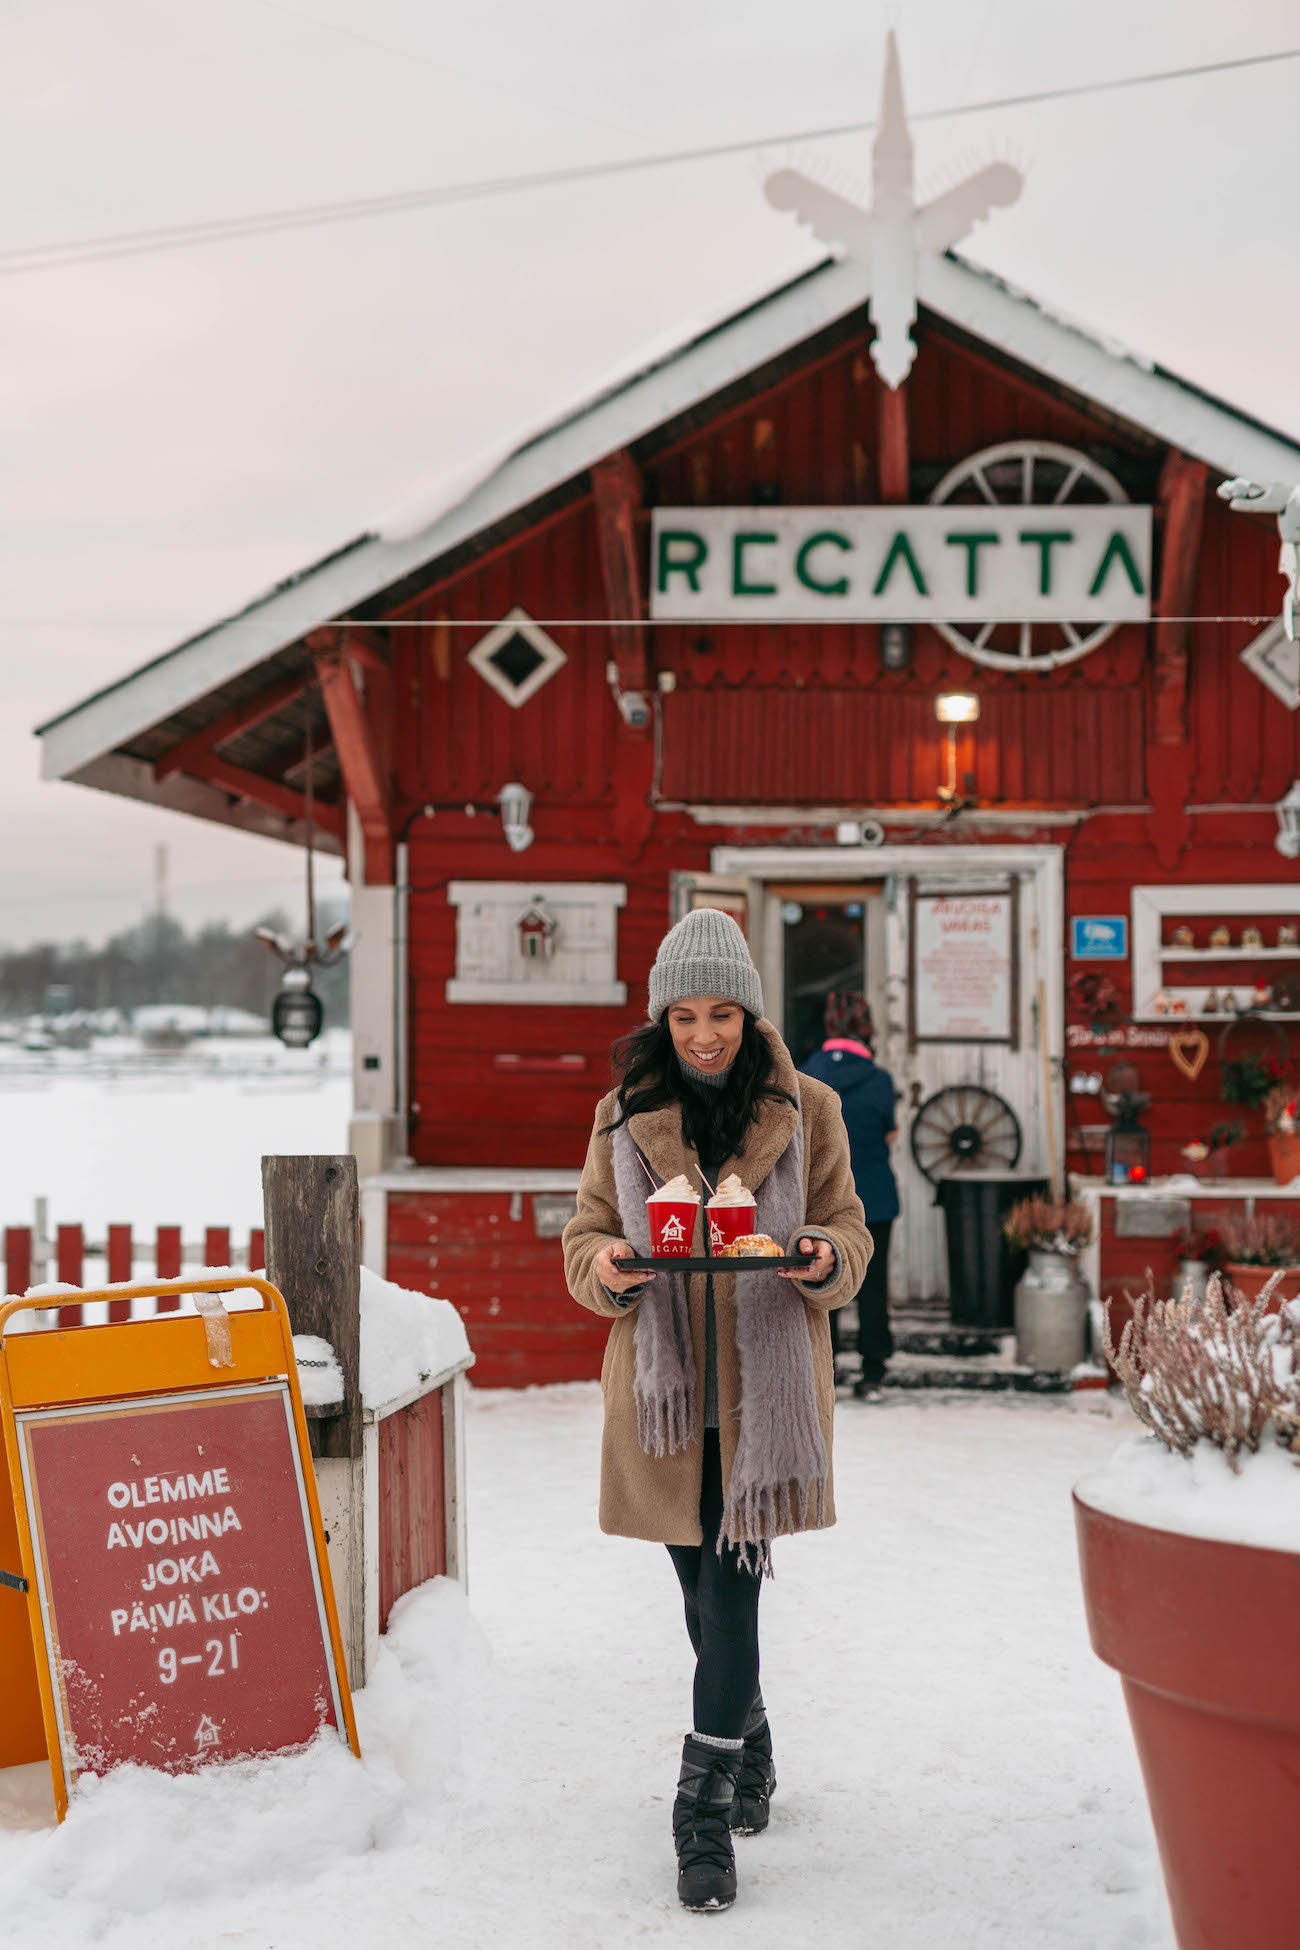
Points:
[[166, 1143], [955, 1766]]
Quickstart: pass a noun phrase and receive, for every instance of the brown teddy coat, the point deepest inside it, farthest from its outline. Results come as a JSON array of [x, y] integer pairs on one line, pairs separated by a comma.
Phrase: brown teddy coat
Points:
[[658, 1497]]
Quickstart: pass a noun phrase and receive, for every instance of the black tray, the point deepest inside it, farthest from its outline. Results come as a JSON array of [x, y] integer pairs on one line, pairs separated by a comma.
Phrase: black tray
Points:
[[675, 1263]]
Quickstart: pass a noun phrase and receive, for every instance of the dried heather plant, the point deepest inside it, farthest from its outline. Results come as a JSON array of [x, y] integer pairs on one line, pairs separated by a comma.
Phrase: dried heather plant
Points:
[[1204, 1368]]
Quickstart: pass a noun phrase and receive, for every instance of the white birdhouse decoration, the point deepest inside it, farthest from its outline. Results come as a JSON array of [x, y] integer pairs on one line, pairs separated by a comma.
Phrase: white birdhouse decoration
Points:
[[536, 929]]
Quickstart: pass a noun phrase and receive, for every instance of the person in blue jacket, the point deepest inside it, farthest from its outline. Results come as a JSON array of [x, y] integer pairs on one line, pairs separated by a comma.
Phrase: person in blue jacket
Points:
[[867, 1098]]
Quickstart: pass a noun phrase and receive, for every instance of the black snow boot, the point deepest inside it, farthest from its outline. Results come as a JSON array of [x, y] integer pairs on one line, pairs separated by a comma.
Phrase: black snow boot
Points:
[[757, 1778], [706, 1864]]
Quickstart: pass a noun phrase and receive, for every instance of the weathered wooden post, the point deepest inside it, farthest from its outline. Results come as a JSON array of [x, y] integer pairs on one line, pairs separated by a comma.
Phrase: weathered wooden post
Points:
[[390, 1473], [313, 1255]]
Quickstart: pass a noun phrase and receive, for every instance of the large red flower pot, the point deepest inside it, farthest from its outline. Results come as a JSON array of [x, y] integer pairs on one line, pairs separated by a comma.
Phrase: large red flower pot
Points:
[[1204, 1637], [1251, 1281]]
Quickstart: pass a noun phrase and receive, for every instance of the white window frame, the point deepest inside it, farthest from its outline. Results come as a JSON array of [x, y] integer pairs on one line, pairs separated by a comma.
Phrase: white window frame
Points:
[[605, 991], [1153, 905]]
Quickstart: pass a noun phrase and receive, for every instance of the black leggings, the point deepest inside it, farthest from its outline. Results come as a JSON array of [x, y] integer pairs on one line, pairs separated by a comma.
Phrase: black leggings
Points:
[[875, 1336], [721, 1613]]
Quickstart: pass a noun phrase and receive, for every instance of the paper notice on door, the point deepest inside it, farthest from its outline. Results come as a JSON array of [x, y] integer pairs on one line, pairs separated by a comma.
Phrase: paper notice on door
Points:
[[963, 986]]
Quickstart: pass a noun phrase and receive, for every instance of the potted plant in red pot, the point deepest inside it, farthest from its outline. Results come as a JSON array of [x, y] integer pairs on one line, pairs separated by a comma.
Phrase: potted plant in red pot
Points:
[[1280, 1115], [1258, 1249], [1188, 1533]]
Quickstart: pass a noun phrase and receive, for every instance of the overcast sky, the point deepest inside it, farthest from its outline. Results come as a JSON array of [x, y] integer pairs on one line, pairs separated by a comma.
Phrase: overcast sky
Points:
[[178, 430]]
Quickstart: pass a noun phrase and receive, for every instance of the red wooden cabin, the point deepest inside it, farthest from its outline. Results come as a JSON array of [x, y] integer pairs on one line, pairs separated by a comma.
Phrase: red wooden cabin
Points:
[[543, 633]]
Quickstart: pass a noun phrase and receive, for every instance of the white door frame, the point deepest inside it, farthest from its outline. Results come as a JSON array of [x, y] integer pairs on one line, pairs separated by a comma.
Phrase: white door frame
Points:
[[1042, 947]]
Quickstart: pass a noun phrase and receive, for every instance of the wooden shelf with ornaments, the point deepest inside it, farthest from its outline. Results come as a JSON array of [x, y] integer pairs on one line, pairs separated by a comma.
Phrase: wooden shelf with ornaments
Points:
[[1292, 954], [1246, 930], [1193, 1010]]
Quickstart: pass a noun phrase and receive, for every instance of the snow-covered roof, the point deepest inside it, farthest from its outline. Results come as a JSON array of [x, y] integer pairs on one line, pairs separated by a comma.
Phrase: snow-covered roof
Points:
[[84, 742]]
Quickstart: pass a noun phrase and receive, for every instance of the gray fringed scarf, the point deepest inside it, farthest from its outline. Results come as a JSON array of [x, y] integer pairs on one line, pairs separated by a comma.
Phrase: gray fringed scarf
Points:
[[778, 1472]]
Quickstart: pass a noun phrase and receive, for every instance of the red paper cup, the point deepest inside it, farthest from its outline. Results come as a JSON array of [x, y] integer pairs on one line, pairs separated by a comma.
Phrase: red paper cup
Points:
[[729, 1222], [672, 1226]]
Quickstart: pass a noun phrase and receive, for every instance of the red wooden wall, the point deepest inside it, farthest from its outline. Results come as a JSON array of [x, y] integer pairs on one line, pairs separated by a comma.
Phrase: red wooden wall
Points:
[[507, 1284], [795, 717], [412, 1508]]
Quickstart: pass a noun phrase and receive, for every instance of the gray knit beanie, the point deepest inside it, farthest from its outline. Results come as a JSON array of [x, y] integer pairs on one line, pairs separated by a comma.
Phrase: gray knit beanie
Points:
[[705, 954]]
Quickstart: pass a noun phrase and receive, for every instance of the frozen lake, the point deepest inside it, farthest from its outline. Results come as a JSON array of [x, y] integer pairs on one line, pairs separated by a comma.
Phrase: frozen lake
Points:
[[111, 1138]]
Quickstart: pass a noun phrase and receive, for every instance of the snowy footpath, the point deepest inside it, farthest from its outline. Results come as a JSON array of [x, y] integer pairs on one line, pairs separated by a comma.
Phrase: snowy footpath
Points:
[[955, 1766]]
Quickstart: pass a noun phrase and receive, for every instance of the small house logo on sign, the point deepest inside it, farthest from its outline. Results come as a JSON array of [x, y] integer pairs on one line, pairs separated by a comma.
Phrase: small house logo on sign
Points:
[[207, 1734], [673, 1231]]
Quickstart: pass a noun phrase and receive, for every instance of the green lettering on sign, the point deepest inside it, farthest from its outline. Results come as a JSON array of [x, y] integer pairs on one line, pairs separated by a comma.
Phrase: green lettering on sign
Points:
[[972, 544], [1044, 539], [687, 563], [900, 550], [739, 586], [1117, 550], [803, 567]]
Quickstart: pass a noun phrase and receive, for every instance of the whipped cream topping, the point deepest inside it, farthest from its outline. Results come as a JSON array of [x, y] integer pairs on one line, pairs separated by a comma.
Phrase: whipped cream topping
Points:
[[732, 1192], [676, 1188]]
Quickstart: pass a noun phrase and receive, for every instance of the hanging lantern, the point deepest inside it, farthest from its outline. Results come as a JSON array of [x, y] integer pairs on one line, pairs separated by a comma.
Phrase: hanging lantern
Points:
[[1128, 1142], [296, 1014]]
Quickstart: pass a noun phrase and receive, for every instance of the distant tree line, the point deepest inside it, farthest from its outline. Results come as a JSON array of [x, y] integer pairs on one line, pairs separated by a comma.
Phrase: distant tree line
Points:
[[157, 961]]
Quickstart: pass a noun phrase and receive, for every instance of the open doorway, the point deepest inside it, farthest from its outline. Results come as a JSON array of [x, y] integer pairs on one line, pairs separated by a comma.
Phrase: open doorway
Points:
[[831, 937]]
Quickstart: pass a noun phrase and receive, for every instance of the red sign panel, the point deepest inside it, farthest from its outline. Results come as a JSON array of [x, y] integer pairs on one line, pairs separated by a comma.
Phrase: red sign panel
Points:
[[182, 1605]]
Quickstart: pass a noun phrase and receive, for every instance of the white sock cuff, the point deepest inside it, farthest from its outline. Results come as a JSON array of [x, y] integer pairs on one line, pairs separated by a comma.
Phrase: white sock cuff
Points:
[[716, 1740]]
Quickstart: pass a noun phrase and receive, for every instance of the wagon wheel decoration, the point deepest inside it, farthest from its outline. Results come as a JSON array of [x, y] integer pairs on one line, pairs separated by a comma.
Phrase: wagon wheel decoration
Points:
[[964, 1128], [1026, 474]]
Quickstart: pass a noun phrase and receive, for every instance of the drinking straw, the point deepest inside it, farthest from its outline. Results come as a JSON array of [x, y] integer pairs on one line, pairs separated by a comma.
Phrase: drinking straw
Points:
[[708, 1188]]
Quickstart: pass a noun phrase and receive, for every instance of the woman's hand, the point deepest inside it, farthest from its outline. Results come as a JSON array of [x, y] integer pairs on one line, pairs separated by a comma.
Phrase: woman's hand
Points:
[[823, 1261], [607, 1269]]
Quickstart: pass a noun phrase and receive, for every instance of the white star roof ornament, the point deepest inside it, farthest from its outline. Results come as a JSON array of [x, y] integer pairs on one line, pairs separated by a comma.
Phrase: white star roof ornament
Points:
[[891, 234]]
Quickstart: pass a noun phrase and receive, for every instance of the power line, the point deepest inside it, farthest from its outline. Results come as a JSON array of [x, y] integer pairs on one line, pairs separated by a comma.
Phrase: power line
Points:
[[24, 260]]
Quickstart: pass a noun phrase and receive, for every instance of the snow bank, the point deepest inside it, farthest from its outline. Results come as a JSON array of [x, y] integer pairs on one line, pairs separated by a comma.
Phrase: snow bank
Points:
[[1198, 1495], [172, 1847], [405, 1337]]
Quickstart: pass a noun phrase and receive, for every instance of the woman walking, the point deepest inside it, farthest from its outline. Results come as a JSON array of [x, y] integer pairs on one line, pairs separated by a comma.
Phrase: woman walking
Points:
[[868, 1099], [718, 1388]]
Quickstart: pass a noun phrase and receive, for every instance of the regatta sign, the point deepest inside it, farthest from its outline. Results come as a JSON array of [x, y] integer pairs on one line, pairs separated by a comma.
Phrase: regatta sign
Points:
[[1084, 564]]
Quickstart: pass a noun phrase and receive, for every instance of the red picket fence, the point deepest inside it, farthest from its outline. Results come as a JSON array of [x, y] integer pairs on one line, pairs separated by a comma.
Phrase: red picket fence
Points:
[[31, 1258]]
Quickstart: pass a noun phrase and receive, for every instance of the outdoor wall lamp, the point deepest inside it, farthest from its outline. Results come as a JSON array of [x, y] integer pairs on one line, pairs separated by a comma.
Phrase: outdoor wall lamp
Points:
[[1287, 809], [952, 708], [956, 707], [516, 802]]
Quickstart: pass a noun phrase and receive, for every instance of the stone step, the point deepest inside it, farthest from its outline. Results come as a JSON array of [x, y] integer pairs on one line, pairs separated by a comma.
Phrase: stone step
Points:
[[943, 1338], [994, 1371]]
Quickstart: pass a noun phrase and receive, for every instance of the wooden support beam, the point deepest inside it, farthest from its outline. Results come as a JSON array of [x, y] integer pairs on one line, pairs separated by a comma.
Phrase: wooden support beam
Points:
[[893, 464], [1181, 499], [242, 717], [617, 492], [363, 778], [265, 792]]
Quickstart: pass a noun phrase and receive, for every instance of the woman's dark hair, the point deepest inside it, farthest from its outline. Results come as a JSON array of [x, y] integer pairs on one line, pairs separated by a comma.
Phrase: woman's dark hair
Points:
[[715, 1120]]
